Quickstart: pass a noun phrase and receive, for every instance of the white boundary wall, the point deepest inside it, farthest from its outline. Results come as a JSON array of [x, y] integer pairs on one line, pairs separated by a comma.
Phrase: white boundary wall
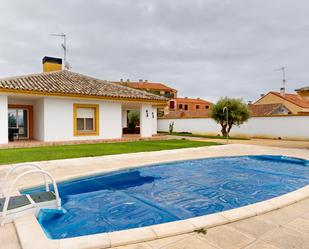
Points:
[[289, 127]]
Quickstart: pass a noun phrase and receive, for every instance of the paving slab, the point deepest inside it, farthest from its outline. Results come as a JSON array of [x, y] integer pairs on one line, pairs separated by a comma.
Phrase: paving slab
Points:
[[260, 245], [135, 246], [8, 237], [227, 238], [300, 225], [285, 238], [190, 243], [166, 242], [254, 226], [285, 215]]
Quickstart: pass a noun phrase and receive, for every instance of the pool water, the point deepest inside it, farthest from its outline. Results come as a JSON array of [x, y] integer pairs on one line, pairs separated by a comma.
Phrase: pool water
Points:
[[170, 192]]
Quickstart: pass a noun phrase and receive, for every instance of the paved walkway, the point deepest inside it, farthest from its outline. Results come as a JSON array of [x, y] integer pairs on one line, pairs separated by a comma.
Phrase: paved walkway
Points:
[[283, 228], [261, 142]]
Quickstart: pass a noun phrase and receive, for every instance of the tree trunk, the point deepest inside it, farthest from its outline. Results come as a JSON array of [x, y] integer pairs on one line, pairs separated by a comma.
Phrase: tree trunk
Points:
[[229, 128], [223, 130]]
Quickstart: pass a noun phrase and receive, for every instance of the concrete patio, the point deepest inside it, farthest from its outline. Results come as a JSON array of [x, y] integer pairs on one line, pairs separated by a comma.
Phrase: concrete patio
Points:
[[287, 227]]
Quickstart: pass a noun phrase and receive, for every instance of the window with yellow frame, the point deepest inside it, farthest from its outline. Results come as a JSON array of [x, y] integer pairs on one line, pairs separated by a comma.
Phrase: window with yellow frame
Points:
[[86, 120]]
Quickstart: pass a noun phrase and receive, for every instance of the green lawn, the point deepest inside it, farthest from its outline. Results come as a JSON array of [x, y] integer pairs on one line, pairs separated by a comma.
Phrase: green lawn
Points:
[[187, 134], [88, 150]]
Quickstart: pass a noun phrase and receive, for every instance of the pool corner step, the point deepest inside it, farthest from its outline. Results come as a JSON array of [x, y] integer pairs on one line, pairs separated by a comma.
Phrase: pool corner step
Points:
[[27, 204]]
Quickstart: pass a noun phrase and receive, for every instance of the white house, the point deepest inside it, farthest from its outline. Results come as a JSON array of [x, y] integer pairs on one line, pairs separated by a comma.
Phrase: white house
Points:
[[60, 105]]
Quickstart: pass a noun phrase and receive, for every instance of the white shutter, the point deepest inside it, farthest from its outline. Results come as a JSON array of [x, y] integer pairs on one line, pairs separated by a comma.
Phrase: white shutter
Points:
[[85, 113]]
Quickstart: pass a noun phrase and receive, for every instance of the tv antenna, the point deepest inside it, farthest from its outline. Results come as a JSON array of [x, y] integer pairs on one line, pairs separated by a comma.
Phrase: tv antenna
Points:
[[64, 46], [283, 77]]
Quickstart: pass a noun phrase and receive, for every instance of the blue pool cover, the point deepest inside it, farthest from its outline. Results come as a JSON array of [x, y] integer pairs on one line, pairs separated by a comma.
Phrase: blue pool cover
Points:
[[169, 192]]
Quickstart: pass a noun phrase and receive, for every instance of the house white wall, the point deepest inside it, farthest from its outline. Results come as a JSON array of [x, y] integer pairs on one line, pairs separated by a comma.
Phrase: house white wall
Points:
[[58, 119], [38, 120], [146, 122], [289, 127], [3, 119]]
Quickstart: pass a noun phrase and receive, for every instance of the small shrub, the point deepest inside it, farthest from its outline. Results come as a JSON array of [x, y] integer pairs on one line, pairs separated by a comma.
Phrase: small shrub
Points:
[[171, 127], [201, 231]]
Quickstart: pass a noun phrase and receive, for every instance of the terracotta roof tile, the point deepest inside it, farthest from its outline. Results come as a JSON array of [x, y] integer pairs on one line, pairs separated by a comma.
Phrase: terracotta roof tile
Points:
[[293, 98], [303, 89], [145, 85], [67, 82], [190, 100], [263, 109]]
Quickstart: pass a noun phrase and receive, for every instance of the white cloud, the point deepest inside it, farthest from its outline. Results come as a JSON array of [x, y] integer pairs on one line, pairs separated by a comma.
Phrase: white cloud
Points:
[[204, 48]]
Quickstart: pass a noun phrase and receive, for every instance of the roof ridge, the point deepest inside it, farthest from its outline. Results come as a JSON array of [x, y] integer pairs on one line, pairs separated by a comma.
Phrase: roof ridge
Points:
[[196, 99], [137, 83], [305, 101], [30, 75]]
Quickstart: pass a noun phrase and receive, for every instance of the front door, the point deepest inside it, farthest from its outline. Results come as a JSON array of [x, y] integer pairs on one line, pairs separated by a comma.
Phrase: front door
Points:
[[19, 118]]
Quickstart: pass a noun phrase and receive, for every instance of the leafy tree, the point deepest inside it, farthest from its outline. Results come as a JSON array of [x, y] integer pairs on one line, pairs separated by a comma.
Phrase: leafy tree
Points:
[[133, 118], [238, 113]]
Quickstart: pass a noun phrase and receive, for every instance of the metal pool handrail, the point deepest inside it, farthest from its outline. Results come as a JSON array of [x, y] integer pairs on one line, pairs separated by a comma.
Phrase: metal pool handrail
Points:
[[25, 165], [7, 199]]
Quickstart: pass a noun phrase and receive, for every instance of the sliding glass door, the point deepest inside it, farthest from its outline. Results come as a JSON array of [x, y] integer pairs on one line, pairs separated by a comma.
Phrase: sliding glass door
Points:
[[19, 118]]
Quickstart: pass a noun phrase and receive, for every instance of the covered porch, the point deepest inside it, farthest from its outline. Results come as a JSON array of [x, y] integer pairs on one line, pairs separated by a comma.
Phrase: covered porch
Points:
[[18, 122], [139, 119]]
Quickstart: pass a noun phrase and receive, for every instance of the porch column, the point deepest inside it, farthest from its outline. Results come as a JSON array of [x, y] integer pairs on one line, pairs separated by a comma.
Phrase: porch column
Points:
[[154, 121], [3, 119], [124, 118], [146, 120]]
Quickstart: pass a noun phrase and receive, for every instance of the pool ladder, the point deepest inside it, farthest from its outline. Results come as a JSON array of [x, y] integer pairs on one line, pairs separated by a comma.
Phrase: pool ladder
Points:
[[32, 204]]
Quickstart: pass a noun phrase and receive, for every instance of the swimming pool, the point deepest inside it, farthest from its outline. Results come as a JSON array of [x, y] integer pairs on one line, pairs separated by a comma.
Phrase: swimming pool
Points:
[[169, 192]]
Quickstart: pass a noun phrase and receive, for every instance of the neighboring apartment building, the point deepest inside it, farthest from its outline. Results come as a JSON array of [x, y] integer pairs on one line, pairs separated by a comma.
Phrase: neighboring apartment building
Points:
[[151, 87], [282, 103], [187, 107], [176, 107], [188, 104]]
